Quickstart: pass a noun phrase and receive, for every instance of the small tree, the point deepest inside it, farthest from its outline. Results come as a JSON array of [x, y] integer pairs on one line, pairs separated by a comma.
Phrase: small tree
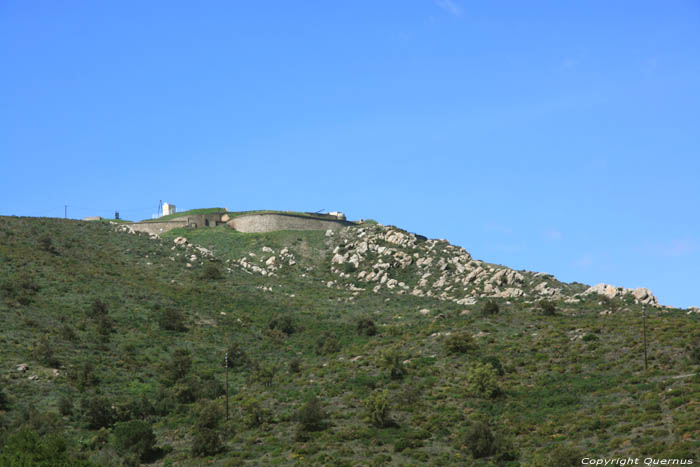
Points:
[[46, 354], [211, 272], [366, 327], [97, 412], [327, 343], [378, 410], [134, 437], [206, 440], [480, 441], [282, 323], [391, 360], [254, 414], [482, 380], [179, 365], [490, 308], [172, 319], [311, 416], [459, 342], [547, 308]]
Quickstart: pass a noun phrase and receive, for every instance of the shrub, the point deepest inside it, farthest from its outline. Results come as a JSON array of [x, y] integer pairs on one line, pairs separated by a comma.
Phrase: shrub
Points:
[[490, 308], [254, 414], [377, 406], [589, 337], [45, 353], [265, 375], [134, 437], [283, 323], [482, 380], [295, 365], [83, 374], [563, 456], [237, 357], [206, 439], [46, 244], [495, 363], [547, 308], [211, 272], [366, 327], [179, 365], [171, 319], [65, 405], [391, 360], [311, 416], [97, 412], [98, 308], [459, 342], [694, 352], [4, 402], [26, 448], [327, 344], [480, 441]]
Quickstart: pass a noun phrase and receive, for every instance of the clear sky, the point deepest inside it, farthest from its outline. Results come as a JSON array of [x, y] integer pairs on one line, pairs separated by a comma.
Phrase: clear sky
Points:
[[545, 135]]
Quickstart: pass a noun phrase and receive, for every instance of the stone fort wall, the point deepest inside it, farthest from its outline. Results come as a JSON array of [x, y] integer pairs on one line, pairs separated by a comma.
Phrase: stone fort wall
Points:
[[268, 222]]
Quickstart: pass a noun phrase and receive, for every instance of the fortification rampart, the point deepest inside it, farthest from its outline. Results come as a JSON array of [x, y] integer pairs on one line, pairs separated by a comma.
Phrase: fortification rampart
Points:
[[268, 222], [157, 227]]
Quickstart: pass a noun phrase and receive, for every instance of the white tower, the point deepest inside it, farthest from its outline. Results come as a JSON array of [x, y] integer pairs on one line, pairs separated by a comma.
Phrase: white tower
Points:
[[168, 209]]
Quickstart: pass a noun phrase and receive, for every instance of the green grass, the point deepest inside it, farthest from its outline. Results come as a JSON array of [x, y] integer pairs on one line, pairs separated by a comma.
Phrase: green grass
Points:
[[593, 394]]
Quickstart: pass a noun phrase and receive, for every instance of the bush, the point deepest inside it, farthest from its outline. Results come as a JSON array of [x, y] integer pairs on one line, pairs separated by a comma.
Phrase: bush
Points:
[[327, 344], [694, 352], [171, 319], [254, 414], [134, 437], [265, 374], [46, 244], [563, 456], [495, 363], [480, 441], [4, 401], [392, 361], [459, 342], [547, 308], [65, 406], [282, 323], [377, 406], [295, 365], [237, 357], [482, 381], [97, 412], [311, 416], [490, 308], [179, 365], [83, 374], [366, 327], [206, 440], [211, 272], [45, 353], [98, 308], [26, 448]]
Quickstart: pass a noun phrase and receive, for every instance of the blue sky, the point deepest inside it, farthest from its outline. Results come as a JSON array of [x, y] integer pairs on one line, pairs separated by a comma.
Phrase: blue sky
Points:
[[551, 136]]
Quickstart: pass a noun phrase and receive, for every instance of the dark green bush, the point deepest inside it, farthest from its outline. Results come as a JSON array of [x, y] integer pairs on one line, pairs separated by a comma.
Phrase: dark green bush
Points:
[[392, 361], [295, 365], [237, 356], [479, 440], [589, 337], [26, 448], [694, 352], [98, 308], [83, 374], [366, 327], [4, 401], [327, 343], [254, 414], [179, 365], [459, 342], [547, 308], [283, 323], [206, 439], [563, 456], [46, 244], [490, 308], [65, 405], [134, 437], [311, 416], [96, 412], [211, 272], [45, 353], [171, 319]]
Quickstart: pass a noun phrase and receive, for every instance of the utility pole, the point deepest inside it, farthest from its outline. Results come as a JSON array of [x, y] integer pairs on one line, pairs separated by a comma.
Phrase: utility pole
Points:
[[226, 386], [65, 211], [644, 320]]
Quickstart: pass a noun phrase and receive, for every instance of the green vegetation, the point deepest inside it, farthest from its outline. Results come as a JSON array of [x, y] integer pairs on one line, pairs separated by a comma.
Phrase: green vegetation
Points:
[[317, 374]]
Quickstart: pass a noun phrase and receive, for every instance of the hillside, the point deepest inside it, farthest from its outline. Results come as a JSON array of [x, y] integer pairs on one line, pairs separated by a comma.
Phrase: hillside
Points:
[[369, 345]]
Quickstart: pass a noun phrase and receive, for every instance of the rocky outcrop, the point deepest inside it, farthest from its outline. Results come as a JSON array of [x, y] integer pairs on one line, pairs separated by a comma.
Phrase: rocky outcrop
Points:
[[641, 294]]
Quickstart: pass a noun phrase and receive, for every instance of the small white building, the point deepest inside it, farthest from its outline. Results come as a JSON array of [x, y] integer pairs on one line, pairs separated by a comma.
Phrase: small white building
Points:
[[338, 215], [168, 209]]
